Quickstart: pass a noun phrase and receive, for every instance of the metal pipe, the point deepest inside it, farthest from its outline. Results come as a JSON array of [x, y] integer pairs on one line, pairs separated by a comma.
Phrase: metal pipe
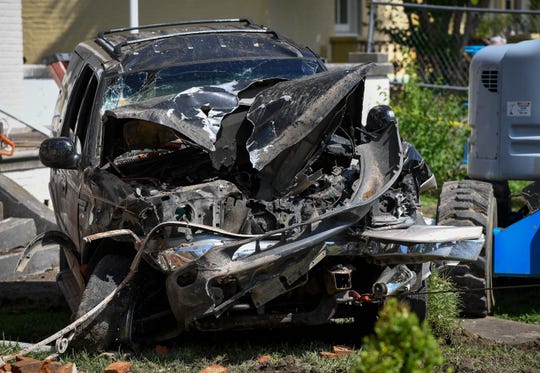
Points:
[[371, 26], [133, 15]]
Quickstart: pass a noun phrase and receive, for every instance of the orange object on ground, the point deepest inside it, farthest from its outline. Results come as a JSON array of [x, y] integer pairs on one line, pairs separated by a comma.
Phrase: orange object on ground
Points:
[[6, 140]]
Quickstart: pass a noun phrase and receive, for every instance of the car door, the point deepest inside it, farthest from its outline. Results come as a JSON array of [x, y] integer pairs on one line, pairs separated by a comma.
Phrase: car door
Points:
[[75, 121]]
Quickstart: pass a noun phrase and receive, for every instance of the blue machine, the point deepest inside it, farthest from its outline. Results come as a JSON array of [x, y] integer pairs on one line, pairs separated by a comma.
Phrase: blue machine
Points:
[[504, 144], [517, 248], [473, 49]]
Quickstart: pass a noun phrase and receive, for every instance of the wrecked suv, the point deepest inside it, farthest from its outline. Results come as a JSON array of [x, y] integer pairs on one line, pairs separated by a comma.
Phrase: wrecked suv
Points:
[[214, 175]]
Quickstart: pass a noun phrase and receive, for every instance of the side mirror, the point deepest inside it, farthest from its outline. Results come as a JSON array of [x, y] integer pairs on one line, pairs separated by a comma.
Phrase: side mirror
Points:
[[59, 152]]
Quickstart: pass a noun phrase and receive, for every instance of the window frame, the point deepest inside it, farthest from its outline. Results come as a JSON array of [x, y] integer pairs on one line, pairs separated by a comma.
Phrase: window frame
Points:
[[353, 15]]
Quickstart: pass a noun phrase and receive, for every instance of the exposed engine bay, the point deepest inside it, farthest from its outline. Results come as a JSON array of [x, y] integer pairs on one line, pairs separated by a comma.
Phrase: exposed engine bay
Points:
[[271, 165]]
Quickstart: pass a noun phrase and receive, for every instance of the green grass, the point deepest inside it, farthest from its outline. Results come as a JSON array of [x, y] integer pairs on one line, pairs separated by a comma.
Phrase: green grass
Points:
[[443, 307], [290, 349], [429, 203], [236, 351], [468, 356], [238, 356], [31, 322]]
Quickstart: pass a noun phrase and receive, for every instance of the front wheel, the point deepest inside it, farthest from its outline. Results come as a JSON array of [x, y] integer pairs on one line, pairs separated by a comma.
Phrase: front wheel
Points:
[[104, 330], [471, 203], [138, 315]]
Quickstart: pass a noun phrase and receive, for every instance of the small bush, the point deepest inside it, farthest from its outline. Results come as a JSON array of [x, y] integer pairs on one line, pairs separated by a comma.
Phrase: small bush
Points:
[[435, 122], [400, 344]]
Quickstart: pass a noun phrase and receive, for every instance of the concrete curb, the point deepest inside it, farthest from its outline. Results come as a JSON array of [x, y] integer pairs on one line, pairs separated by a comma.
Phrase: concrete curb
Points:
[[20, 203], [16, 232], [501, 331]]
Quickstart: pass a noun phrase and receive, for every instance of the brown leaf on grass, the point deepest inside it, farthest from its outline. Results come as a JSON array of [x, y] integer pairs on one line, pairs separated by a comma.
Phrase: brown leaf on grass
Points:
[[264, 359], [342, 351], [328, 355], [214, 369], [119, 367], [338, 352]]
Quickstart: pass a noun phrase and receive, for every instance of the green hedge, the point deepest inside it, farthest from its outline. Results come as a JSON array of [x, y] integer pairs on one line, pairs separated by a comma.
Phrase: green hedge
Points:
[[435, 122]]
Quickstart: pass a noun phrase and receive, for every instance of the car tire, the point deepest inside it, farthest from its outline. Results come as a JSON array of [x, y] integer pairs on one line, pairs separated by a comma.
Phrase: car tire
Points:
[[365, 318], [103, 331], [471, 203]]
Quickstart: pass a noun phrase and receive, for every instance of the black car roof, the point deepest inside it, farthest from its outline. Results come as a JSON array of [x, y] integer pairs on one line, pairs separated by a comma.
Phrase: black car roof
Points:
[[168, 44]]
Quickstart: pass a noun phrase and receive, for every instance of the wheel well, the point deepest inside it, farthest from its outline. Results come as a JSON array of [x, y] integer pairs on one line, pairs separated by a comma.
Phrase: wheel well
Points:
[[95, 250]]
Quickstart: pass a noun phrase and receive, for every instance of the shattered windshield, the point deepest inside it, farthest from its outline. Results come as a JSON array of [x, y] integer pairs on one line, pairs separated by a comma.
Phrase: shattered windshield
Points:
[[140, 86]]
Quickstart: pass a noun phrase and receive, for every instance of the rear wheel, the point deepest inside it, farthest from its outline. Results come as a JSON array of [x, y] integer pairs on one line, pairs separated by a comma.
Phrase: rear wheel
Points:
[[471, 203]]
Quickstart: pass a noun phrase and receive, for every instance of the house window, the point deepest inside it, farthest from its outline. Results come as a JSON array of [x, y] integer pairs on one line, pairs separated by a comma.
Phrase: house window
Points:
[[348, 16], [513, 4]]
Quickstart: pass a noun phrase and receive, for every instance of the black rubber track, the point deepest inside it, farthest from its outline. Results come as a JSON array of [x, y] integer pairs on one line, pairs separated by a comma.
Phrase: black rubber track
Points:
[[471, 203]]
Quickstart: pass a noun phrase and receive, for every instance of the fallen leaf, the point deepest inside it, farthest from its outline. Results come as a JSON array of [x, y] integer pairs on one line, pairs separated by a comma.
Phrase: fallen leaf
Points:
[[342, 351], [214, 369], [119, 367], [264, 359], [328, 355]]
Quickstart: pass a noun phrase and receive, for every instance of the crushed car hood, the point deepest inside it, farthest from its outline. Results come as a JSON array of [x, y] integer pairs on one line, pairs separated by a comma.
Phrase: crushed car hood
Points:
[[289, 119], [196, 113]]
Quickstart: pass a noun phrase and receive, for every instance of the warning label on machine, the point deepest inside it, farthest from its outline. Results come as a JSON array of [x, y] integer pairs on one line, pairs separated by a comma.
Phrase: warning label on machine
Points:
[[518, 108]]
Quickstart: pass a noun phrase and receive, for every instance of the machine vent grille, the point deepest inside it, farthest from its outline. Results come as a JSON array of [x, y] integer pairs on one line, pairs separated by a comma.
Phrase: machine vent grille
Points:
[[489, 79]]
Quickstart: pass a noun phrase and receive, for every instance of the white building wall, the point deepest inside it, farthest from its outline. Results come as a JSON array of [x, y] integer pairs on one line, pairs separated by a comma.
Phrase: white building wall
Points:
[[11, 58]]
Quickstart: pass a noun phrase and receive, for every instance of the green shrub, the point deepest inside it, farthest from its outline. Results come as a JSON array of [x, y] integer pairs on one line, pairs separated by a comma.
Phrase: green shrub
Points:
[[434, 121], [400, 344]]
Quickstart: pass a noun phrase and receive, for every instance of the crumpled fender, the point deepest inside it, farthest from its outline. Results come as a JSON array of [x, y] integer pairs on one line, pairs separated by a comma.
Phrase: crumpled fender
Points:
[[45, 239]]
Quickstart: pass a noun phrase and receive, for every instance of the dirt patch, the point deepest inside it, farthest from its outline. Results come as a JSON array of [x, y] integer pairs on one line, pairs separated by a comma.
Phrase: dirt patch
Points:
[[529, 346]]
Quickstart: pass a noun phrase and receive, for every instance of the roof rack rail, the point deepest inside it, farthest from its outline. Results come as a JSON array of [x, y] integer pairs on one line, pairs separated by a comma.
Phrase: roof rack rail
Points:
[[115, 49], [247, 21]]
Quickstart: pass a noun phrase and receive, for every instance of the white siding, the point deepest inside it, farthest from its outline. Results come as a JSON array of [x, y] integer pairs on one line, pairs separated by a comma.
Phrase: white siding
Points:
[[11, 57]]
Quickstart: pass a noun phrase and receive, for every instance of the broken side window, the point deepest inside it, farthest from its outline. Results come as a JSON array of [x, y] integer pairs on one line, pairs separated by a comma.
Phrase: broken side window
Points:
[[79, 107]]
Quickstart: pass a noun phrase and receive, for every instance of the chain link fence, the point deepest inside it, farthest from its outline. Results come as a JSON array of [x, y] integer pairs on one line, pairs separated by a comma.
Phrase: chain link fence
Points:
[[437, 42]]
